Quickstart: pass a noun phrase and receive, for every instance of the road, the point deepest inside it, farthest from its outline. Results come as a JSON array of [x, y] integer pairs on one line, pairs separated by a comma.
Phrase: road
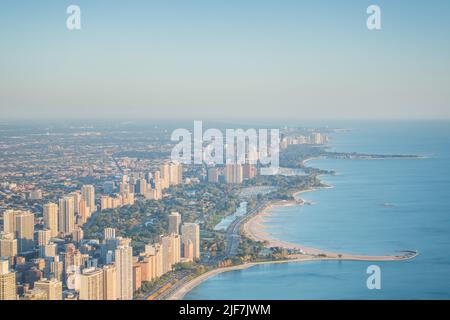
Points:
[[232, 234], [232, 237]]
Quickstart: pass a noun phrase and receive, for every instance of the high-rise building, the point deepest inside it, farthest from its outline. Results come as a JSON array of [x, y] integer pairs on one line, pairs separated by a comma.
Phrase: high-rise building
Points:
[[109, 282], [9, 221], [233, 173], [21, 225], [8, 245], [105, 203], [191, 232], [174, 223], [141, 186], [188, 250], [66, 219], [124, 266], [165, 175], [109, 233], [88, 194], [213, 175], [156, 251], [91, 284], [76, 201], [85, 212], [56, 268], [137, 277], [51, 218], [175, 174], [249, 171], [77, 235], [171, 251], [24, 225], [52, 288], [50, 250], [7, 282], [316, 138], [44, 237], [124, 187]]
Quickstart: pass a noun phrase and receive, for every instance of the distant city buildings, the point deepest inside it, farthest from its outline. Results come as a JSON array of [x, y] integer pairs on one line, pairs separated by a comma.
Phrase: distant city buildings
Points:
[[7, 282], [91, 284], [213, 175], [52, 289], [315, 138], [233, 173], [51, 218], [174, 223], [190, 233], [124, 267], [21, 225], [66, 217]]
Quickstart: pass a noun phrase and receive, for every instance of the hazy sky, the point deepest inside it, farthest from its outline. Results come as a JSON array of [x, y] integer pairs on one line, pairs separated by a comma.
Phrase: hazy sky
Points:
[[216, 59]]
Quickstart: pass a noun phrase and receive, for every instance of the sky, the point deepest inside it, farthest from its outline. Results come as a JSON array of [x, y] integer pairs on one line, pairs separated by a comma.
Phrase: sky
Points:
[[225, 59]]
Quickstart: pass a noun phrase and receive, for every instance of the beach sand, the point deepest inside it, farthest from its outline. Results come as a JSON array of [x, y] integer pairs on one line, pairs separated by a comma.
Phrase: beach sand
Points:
[[254, 229]]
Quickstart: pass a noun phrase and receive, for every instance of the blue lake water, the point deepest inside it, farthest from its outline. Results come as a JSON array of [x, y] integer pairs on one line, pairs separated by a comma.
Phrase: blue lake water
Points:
[[376, 207]]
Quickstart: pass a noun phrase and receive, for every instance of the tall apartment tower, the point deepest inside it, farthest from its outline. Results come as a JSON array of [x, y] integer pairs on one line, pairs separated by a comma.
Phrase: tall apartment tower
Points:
[[175, 174], [24, 225], [76, 201], [7, 282], [21, 225], [124, 266], [171, 251], [88, 194], [91, 284], [109, 233], [52, 288], [8, 221], [233, 173], [213, 175], [190, 232], [8, 245], [51, 218], [66, 219], [84, 212], [174, 223], [109, 282]]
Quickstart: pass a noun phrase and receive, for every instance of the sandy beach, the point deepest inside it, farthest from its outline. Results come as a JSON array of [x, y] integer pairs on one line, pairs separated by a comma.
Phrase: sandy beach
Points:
[[254, 229]]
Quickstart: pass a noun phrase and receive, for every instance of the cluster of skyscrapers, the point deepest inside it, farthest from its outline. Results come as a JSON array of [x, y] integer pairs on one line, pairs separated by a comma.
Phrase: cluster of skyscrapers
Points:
[[150, 186], [111, 274], [232, 173]]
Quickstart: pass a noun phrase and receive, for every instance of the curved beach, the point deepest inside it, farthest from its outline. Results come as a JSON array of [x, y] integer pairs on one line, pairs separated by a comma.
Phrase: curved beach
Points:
[[254, 229]]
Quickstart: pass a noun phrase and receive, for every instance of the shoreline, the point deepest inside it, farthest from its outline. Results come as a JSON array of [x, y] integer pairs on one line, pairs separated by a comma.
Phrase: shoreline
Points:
[[254, 227]]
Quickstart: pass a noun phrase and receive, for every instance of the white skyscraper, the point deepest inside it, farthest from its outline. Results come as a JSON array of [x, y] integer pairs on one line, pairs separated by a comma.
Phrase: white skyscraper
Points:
[[24, 225], [109, 233], [51, 218], [191, 232], [124, 269], [88, 194], [174, 222]]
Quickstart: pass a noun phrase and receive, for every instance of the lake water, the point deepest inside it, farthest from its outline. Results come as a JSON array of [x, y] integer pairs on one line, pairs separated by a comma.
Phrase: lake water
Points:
[[376, 207]]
